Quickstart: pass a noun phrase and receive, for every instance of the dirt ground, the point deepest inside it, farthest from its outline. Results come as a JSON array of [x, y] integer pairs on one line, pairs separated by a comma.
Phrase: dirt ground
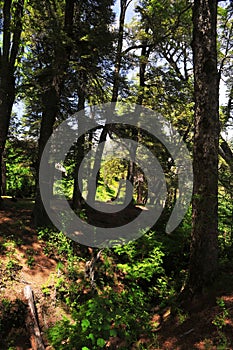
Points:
[[185, 331]]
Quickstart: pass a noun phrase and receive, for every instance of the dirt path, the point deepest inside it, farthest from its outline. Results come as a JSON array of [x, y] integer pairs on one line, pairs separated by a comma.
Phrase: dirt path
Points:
[[23, 262], [35, 267]]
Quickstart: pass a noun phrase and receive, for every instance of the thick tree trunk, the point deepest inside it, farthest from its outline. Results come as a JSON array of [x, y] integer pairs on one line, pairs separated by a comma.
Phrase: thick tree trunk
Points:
[[3, 175], [204, 245], [50, 105], [77, 199], [12, 28], [77, 191], [7, 97]]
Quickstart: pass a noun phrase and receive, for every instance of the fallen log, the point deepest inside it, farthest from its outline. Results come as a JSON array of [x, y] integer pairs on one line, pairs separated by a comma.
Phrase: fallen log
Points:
[[32, 323]]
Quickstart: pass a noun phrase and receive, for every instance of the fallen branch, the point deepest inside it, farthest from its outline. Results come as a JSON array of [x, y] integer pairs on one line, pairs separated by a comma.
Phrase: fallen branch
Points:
[[90, 268], [32, 323], [186, 333]]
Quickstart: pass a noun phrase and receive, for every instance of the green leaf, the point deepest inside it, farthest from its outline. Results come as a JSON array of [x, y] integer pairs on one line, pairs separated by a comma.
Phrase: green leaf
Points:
[[85, 324], [113, 333], [100, 342], [85, 348], [92, 337]]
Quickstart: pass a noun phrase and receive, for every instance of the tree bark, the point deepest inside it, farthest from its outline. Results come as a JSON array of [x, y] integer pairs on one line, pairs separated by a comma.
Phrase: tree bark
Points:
[[3, 176], [7, 97], [32, 322], [77, 191], [50, 105], [204, 240], [8, 54]]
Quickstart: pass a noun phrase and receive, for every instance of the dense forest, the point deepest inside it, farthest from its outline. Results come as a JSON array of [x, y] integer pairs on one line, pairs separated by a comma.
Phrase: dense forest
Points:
[[116, 176]]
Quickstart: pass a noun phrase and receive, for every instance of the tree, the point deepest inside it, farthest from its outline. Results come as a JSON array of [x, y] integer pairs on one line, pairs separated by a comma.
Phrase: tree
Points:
[[94, 179], [53, 59], [169, 76], [69, 55], [204, 240], [11, 29], [89, 30]]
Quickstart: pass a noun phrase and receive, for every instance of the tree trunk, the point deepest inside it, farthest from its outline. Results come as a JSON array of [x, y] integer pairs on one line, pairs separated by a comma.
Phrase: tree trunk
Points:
[[145, 53], [204, 243], [12, 28], [3, 176], [50, 105], [77, 191], [116, 77], [94, 179], [7, 97]]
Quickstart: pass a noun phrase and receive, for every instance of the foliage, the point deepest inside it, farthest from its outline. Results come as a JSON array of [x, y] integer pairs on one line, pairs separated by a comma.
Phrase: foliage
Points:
[[129, 279], [106, 315], [220, 322], [56, 243], [20, 157], [150, 261], [75, 53], [117, 309], [10, 267]]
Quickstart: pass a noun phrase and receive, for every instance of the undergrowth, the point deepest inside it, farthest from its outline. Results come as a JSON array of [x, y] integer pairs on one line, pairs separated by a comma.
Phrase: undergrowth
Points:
[[129, 281]]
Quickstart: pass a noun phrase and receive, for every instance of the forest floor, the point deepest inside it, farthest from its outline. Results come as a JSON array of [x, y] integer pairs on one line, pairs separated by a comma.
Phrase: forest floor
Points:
[[23, 262]]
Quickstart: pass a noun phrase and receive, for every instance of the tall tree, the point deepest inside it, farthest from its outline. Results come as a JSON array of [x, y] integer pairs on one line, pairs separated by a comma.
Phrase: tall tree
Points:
[[70, 54], [94, 179], [92, 22], [204, 244], [54, 52], [124, 4], [80, 152], [169, 76], [10, 31]]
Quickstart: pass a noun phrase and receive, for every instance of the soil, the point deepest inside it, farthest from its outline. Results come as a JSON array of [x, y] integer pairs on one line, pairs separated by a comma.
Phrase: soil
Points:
[[184, 331]]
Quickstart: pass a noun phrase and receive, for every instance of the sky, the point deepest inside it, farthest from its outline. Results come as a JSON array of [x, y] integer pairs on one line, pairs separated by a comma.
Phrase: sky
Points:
[[130, 10]]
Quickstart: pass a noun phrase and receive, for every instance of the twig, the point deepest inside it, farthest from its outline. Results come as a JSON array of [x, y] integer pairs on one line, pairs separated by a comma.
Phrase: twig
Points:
[[186, 333]]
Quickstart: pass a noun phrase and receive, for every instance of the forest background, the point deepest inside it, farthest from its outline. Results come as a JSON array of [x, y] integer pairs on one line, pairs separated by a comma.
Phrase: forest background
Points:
[[174, 58]]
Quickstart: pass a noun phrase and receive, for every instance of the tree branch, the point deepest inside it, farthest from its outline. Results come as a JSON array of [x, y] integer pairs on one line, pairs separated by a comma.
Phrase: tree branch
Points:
[[226, 153]]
